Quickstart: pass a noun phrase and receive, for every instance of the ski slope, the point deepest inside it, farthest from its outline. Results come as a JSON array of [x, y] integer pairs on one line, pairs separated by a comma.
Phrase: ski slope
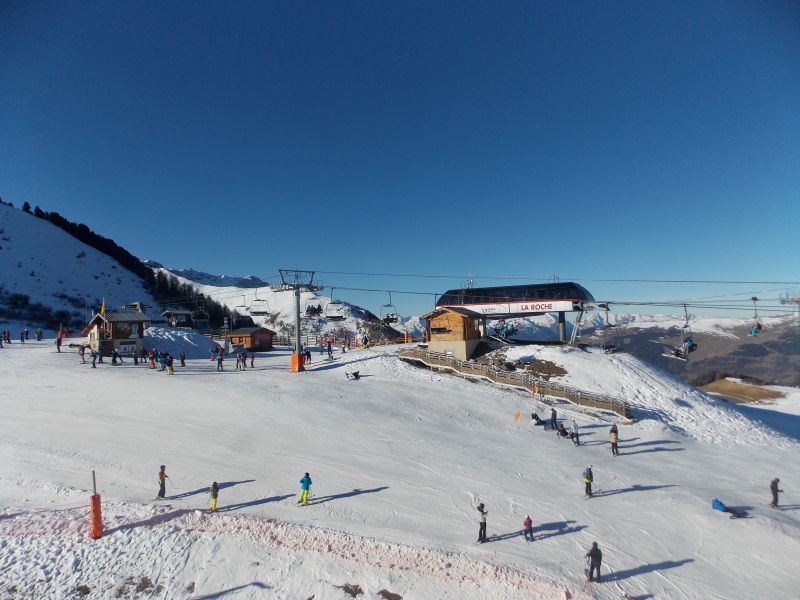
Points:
[[399, 460]]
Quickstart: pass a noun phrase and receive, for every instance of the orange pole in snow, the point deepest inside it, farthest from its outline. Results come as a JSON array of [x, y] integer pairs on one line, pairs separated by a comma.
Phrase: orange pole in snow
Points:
[[95, 514]]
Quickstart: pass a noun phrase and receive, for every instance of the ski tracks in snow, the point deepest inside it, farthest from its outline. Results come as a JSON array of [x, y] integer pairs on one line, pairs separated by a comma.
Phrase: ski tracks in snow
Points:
[[148, 540]]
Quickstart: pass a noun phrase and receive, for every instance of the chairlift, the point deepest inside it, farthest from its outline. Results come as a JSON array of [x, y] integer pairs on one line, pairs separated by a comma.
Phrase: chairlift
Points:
[[757, 326], [243, 304], [259, 307], [389, 311], [313, 311], [504, 329], [688, 345], [333, 311], [610, 344]]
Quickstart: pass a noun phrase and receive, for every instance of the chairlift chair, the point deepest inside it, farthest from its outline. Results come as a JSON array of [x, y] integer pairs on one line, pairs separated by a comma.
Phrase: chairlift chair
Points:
[[757, 326], [333, 311], [389, 312], [688, 345], [610, 345], [259, 307], [313, 311]]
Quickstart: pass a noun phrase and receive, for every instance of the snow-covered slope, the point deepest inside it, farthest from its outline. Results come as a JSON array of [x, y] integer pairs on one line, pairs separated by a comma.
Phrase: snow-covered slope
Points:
[[41, 261], [175, 341], [399, 460], [280, 306], [657, 399]]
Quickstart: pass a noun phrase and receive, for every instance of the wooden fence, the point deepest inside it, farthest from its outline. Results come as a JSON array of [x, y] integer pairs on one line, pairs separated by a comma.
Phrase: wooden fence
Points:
[[516, 378]]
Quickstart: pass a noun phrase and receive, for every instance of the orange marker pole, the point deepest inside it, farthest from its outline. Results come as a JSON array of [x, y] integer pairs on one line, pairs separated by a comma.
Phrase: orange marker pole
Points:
[[95, 514]]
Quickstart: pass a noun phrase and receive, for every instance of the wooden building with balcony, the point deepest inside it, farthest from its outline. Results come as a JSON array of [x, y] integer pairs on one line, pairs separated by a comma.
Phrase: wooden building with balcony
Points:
[[120, 330]]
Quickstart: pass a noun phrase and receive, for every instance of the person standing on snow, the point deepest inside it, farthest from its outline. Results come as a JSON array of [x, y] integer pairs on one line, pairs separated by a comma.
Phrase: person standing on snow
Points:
[[595, 558], [773, 487], [214, 491], [574, 434], [305, 485], [170, 370], [614, 438], [527, 526], [183, 358], [219, 362], [553, 420], [588, 478], [162, 482], [482, 512], [253, 359]]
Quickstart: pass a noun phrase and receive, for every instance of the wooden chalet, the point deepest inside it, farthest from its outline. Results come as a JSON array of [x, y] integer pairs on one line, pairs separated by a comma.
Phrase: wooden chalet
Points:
[[121, 330], [453, 332], [178, 318], [252, 338]]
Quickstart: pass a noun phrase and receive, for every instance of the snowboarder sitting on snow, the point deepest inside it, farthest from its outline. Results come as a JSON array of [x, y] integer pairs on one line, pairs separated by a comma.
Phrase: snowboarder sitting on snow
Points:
[[595, 558], [562, 431], [717, 504], [354, 375], [536, 420]]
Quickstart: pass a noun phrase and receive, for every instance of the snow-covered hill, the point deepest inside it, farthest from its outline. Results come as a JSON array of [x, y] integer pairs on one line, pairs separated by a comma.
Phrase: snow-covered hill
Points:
[[399, 459], [58, 272]]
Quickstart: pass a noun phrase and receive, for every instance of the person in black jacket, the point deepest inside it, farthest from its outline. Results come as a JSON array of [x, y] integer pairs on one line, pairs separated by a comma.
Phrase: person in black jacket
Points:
[[773, 487], [595, 557]]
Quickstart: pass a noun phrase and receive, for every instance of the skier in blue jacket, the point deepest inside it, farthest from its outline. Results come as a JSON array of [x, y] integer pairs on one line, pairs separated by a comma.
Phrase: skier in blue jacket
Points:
[[305, 484]]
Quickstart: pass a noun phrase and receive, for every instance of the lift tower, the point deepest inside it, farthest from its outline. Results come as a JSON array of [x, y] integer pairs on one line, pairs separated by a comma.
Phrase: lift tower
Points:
[[297, 281]]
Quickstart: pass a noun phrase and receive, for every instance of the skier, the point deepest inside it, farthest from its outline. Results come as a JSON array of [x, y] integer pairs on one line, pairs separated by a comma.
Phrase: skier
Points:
[[82, 353], [330, 350], [482, 512], [527, 525], [22, 337], [94, 359], [773, 487], [614, 437], [308, 356], [305, 484], [574, 434], [595, 558], [214, 491], [354, 375], [169, 360], [219, 362], [553, 420], [162, 482], [253, 359], [588, 478], [183, 358]]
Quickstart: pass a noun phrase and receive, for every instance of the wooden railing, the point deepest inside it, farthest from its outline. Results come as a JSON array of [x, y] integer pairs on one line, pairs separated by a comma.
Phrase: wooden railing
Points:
[[516, 378]]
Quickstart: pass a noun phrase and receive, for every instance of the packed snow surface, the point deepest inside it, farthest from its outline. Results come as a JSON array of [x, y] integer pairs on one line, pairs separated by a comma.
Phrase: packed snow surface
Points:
[[176, 340], [399, 459]]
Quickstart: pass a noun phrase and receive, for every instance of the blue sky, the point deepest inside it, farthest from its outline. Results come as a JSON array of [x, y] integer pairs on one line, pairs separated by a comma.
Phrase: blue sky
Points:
[[624, 140]]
